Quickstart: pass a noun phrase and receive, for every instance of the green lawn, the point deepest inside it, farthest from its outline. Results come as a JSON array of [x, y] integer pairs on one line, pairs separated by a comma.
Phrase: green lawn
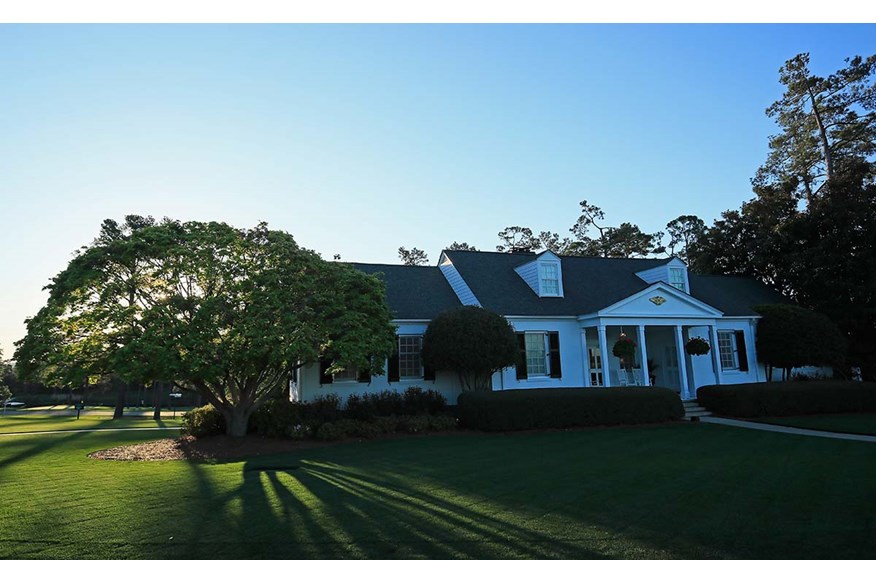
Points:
[[675, 491], [853, 423], [37, 423]]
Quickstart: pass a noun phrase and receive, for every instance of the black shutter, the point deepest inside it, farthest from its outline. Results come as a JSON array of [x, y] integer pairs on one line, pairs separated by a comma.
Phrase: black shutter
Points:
[[393, 369], [365, 374], [741, 351], [521, 356], [325, 376], [554, 350]]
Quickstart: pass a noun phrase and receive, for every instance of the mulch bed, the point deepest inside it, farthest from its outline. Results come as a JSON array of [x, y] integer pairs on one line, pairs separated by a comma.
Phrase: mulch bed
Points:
[[209, 448]]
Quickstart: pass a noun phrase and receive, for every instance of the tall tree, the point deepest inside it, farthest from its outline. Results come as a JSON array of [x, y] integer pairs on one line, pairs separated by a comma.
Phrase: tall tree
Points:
[[821, 253], [624, 241], [413, 257], [684, 233], [5, 394], [92, 317], [228, 313], [461, 247], [822, 119]]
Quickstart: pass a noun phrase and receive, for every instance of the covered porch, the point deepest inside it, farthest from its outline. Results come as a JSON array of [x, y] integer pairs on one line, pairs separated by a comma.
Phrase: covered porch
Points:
[[659, 358]]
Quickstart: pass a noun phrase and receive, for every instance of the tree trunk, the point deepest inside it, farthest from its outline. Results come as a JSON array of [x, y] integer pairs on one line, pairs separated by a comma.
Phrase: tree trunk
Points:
[[156, 400], [236, 422], [121, 395]]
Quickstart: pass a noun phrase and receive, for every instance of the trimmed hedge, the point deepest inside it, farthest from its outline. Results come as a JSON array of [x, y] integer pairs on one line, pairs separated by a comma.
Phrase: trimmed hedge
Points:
[[203, 421], [788, 398], [525, 409]]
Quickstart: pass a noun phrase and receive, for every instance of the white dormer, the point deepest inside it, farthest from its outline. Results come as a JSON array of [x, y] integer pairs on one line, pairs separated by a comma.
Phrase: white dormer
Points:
[[673, 272], [544, 275]]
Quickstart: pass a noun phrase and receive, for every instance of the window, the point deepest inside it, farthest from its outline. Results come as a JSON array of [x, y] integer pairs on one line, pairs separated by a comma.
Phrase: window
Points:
[[536, 354], [595, 366], [727, 349], [676, 279], [550, 279], [410, 361], [348, 374]]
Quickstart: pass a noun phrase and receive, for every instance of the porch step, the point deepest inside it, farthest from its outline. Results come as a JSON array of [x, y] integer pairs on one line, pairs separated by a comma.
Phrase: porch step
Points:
[[694, 410]]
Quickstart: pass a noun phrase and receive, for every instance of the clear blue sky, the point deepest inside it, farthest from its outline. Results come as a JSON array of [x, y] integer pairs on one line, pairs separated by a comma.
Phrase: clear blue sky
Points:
[[359, 139]]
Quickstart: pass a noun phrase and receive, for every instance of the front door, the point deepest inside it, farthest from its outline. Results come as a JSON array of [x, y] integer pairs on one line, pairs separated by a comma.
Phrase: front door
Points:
[[595, 367], [670, 364]]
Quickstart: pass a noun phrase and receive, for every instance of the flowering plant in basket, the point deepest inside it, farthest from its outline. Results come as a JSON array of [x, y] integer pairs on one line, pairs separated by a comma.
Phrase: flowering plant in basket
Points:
[[697, 346]]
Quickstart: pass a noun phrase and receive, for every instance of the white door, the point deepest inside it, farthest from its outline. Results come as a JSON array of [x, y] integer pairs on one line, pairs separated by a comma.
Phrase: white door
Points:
[[670, 365], [595, 367]]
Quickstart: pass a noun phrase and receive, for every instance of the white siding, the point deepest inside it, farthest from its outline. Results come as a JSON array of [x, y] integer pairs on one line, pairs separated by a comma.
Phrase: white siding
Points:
[[460, 288], [661, 273], [529, 273], [572, 365], [445, 383]]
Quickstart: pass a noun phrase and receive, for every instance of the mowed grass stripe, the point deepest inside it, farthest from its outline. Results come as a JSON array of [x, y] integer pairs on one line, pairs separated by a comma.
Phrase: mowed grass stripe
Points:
[[675, 491]]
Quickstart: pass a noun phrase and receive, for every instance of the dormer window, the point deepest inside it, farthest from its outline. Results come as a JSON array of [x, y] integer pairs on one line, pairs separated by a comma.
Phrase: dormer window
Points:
[[677, 279], [550, 279], [544, 275]]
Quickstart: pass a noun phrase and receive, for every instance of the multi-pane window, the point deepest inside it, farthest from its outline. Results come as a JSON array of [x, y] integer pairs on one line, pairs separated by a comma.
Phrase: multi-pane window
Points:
[[536, 357], [410, 361], [550, 280], [676, 279], [727, 349], [348, 374]]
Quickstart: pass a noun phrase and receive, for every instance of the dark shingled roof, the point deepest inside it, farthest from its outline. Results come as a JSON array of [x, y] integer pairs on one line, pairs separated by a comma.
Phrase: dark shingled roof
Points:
[[413, 291], [592, 283], [733, 295]]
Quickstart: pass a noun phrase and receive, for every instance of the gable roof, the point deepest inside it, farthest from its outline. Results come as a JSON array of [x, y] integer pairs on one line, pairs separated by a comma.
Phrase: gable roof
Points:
[[733, 295], [589, 283], [413, 292], [593, 283]]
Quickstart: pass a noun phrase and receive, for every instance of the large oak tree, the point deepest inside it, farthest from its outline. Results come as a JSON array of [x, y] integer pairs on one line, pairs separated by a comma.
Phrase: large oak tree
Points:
[[227, 312]]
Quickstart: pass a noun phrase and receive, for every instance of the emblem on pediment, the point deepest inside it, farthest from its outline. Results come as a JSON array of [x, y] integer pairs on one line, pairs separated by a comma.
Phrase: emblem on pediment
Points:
[[658, 300]]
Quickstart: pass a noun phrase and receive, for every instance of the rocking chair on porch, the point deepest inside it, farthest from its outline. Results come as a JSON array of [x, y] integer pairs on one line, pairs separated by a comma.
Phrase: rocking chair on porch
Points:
[[631, 377]]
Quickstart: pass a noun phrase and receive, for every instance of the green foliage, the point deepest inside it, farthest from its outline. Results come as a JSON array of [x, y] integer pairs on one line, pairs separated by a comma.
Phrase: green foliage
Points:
[[461, 247], [624, 241], [5, 370], [471, 341], [789, 336], [224, 311], [203, 421], [697, 346], [789, 398], [526, 409], [684, 233], [810, 232], [414, 401], [823, 120], [418, 402], [413, 257], [368, 429], [624, 347]]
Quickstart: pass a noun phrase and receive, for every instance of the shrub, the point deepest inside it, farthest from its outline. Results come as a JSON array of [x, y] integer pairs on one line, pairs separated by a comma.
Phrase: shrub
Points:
[[471, 341], [525, 409], [368, 406], [442, 423], [203, 421], [418, 402], [279, 418], [346, 428], [789, 336], [788, 398], [323, 408], [413, 424]]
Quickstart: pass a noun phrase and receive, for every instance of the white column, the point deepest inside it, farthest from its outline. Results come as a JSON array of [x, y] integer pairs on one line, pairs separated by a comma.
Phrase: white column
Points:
[[644, 352], [603, 351], [585, 358], [716, 354], [682, 363]]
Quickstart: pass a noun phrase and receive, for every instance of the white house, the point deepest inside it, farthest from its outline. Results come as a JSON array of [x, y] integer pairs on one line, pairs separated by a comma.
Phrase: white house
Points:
[[568, 313]]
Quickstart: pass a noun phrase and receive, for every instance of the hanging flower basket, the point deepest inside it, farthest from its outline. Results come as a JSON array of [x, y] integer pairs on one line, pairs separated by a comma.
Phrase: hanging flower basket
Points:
[[697, 346], [625, 348]]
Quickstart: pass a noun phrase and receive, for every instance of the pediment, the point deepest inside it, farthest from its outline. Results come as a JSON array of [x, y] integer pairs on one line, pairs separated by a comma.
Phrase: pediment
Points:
[[661, 300]]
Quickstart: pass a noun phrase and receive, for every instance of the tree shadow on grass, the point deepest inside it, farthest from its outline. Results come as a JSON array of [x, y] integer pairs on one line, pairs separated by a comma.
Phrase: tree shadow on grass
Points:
[[327, 511]]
